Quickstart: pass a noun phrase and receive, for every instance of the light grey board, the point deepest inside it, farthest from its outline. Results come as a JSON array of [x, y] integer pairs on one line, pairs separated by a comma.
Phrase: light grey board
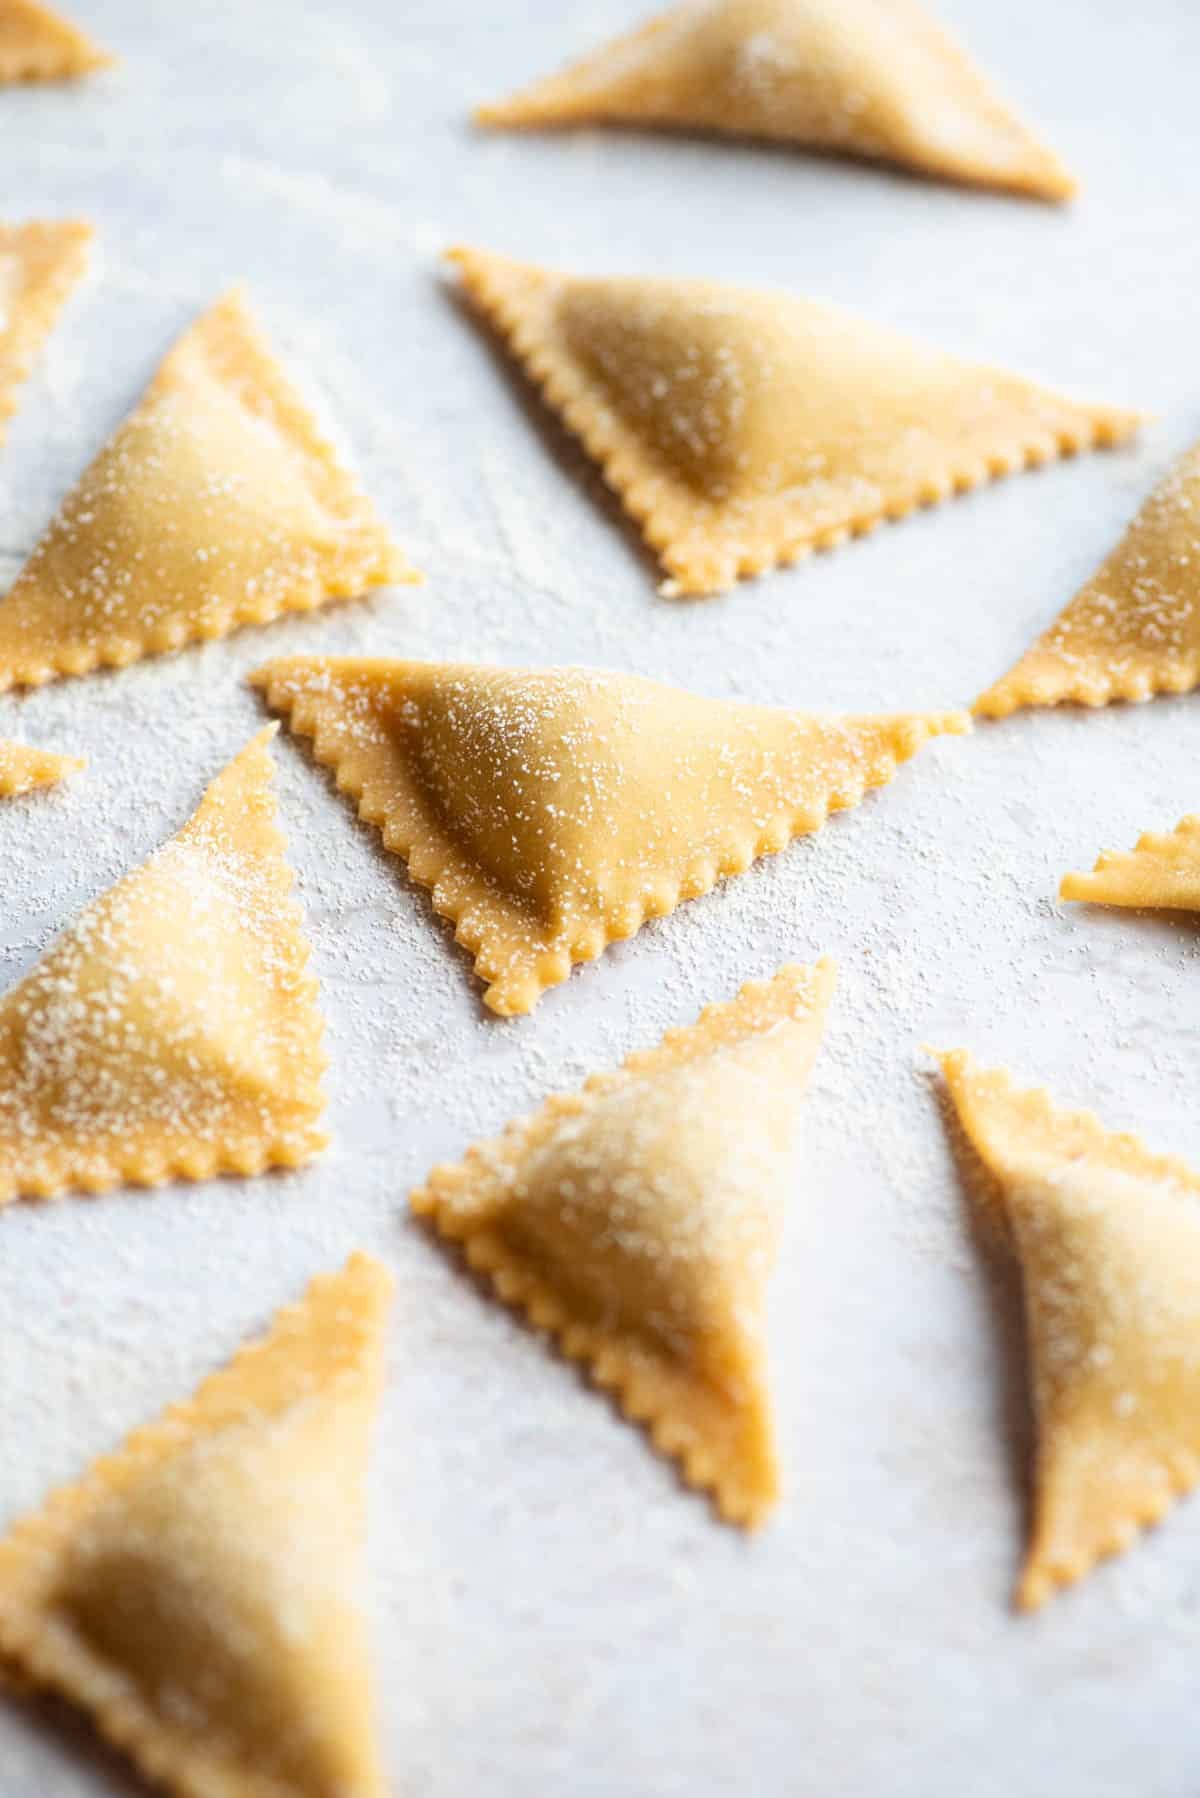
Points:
[[551, 1613]]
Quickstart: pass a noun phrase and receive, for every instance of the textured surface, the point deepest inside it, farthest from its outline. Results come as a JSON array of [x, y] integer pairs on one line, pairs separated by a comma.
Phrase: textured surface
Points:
[[40, 262], [39, 44], [637, 1222], [215, 504], [172, 1031], [1107, 1234], [872, 78], [550, 1612], [197, 1591], [1133, 629], [743, 428], [551, 811]]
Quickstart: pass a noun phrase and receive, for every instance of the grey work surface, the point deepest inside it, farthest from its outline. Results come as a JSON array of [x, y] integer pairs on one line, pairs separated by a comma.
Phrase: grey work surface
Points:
[[551, 1612]]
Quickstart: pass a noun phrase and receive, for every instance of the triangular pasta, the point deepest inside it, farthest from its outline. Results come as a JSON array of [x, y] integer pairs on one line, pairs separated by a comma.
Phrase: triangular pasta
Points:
[[742, 428], [552, 811], [195, 1592], [1134, 629], [1162, 872], [1108, 1240], [872, 78], [23, 768], [37, 44], [40, 262], [215, 504], [172, 1032], [637, 1220]]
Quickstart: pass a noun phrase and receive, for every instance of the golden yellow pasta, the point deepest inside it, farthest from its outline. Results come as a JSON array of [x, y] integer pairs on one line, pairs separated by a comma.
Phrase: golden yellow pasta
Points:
[[37, 44], [873, 78], [637, 1222], [194, 1592], [22, 768], [1108, 1240], [216, 504], [39, 265], [1162, 872], [1134, 629], [743, 429], [173, 1031], [551, 811]]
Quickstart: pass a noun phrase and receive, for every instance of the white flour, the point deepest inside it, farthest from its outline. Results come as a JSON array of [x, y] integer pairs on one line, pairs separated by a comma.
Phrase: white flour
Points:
[[550, 1612]]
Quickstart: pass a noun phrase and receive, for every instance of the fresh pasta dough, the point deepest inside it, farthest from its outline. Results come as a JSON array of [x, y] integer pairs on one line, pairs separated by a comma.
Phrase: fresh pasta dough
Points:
[[551, 811], [637, 1221], [742, 429]]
